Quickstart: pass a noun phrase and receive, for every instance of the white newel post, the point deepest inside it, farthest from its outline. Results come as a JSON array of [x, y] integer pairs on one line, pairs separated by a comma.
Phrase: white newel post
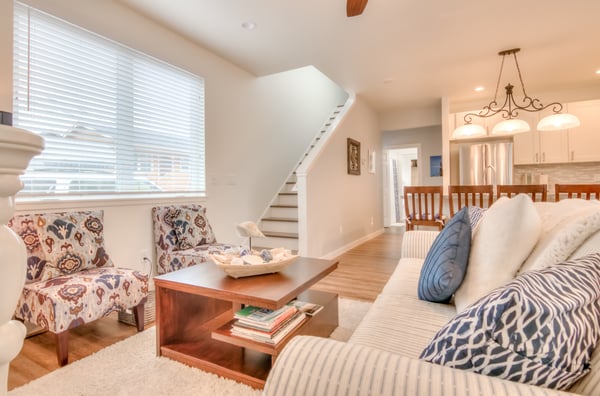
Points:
[[17, 148]]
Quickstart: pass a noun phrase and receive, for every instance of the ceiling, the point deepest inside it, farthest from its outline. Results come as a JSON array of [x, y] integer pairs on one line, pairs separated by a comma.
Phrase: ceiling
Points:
[[400, 53]]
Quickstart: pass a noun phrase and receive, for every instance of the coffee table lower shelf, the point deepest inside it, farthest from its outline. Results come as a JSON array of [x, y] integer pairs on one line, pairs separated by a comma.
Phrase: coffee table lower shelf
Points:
[[230, 361], [245, 360], [223, 333]]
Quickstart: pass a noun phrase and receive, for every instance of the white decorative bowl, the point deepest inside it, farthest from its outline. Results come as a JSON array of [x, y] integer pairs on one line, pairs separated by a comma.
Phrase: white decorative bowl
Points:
[[223, 261]]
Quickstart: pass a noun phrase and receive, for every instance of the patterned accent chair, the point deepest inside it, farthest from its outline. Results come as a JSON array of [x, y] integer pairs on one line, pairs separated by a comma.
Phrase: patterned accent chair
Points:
[[183, 237], [70, 278]]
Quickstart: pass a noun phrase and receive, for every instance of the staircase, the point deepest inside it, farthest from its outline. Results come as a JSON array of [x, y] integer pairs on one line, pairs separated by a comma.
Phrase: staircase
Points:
[[279, 223]]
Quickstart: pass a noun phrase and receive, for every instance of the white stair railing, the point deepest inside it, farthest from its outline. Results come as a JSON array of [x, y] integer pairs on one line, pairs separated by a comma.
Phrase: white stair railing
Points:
[[289, 236]]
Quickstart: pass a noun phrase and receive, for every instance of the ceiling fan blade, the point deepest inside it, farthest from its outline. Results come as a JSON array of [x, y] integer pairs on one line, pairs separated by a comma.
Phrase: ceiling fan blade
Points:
[[355, 7]]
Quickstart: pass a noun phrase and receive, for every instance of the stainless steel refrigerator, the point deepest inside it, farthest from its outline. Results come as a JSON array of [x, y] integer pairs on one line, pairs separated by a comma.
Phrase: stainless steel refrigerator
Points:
[[486, 163]]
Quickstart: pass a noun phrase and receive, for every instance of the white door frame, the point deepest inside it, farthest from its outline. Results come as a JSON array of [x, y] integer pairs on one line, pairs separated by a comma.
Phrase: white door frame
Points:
[[386, 176]]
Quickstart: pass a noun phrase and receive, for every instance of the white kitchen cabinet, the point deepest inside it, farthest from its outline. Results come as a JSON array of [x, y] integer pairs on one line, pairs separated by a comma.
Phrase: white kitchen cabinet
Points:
[[535, 147], [584, 141], [526, 147], [554, 147]]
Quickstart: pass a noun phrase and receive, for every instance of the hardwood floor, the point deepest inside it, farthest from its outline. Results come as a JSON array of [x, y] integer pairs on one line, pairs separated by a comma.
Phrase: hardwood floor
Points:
[[361, 274], [363, 271]]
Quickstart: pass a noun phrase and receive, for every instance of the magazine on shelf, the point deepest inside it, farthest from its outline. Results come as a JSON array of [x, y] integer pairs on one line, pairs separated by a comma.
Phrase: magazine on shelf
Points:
[[273, 337], [256, 317], [309, 309], [260, 315]]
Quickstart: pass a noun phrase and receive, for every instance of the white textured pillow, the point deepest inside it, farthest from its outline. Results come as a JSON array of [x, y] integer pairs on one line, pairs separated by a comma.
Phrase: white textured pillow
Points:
[[565, 226], [505, 237]]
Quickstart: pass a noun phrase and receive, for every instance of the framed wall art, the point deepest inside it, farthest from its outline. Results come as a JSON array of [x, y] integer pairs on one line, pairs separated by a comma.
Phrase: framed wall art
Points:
[[353, 152], [435, 166]]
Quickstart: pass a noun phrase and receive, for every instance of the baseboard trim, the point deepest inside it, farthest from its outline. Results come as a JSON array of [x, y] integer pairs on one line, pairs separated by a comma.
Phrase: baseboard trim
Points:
[[352, 245]]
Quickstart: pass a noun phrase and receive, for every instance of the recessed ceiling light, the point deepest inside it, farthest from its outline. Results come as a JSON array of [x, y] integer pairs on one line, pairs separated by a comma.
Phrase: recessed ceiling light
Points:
[[479, 89], [598, 71], [249, 25]]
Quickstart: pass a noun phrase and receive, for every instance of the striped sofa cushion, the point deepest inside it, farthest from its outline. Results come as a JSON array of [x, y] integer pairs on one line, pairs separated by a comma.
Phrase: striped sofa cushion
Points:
[[401, 324], [322, 367], [539, 329]]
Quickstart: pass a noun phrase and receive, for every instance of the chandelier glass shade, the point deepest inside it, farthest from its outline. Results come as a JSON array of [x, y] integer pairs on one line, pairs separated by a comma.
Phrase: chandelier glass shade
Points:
[[555, 122], [469, 130], [510, 127], [510, 109]]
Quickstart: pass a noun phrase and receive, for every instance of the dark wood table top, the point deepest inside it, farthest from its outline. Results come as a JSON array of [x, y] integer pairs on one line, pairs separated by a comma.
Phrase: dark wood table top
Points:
[[269, 291]]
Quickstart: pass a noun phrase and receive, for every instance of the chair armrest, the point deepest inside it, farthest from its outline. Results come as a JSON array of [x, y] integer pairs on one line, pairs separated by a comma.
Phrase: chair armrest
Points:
[[319, 366], [416, 244]]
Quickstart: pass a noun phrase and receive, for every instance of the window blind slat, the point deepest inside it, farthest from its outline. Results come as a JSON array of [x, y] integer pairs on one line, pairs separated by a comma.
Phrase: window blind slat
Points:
[[115, 120]]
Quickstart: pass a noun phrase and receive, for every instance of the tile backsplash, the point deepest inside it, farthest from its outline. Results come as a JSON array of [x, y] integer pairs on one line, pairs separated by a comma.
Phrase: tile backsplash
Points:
[[571, 173]]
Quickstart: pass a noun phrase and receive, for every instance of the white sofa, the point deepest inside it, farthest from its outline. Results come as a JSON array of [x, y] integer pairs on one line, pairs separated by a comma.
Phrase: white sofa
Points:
[[382, 356]]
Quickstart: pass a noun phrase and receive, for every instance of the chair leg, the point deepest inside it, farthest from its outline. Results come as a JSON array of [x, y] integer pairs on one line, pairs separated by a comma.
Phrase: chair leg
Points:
[[138, 314], [62, 348]]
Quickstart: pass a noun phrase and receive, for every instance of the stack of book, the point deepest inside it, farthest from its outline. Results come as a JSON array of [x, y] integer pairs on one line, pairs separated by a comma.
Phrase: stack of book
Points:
[[269, 326]]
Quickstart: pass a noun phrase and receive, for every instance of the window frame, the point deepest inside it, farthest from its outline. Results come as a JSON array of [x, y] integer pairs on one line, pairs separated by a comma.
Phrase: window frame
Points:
[[113, 194]]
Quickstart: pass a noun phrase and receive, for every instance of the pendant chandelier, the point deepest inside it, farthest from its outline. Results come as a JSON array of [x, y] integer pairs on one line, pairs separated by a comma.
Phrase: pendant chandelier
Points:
[[510, 111]]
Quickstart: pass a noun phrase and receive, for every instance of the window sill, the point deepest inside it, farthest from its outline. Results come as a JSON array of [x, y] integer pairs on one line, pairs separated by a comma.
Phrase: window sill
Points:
[[77, 202]]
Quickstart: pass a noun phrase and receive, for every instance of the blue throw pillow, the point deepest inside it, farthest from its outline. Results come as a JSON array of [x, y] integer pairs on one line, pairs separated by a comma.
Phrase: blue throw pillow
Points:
[[446, 262], [539, 329]]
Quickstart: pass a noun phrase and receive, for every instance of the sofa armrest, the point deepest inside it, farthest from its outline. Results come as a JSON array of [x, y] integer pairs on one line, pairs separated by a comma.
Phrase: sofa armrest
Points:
[[416, 244], [319, 366]]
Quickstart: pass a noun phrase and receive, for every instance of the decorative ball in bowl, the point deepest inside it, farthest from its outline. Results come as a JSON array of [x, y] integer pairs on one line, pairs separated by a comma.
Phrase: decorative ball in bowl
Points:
[[250, 263]]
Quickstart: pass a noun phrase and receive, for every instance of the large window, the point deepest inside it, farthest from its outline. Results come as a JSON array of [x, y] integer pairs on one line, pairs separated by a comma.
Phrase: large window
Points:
[[115, 121]]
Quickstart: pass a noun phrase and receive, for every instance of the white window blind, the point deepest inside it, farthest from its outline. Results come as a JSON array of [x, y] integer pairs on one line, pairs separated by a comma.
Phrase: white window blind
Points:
[[115, 121]]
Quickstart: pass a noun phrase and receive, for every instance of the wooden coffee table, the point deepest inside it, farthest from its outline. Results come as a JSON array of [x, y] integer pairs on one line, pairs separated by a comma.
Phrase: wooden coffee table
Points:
[[195, 306]]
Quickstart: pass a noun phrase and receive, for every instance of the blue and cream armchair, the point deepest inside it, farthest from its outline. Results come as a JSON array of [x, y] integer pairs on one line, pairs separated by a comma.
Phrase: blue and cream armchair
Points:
[[183, 237], [71, 280]]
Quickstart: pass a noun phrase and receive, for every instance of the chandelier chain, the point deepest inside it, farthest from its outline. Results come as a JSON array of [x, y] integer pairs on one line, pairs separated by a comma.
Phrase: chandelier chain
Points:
[[520, 76], [499, 78]]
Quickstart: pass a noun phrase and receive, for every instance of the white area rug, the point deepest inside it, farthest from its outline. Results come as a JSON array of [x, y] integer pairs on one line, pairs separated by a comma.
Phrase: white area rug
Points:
[[131, 367]]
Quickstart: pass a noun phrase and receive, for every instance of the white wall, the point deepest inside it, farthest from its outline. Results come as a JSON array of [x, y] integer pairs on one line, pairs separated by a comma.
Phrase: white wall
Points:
[[343, 209], [410, 118], [430, 139], [256, 128]]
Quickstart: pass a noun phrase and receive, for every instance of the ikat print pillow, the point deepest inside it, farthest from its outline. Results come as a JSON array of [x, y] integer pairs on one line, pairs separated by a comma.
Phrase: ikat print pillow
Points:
[[539, 329], [192, 228], [72, 242], [446, 261]]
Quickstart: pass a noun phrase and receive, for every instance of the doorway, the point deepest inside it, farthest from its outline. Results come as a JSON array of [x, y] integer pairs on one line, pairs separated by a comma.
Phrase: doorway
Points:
[[402, 168]]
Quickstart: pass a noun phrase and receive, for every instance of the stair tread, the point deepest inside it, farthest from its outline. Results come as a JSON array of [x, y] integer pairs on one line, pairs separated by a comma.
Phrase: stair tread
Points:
[[288, 193], [282, 219], [285, 206], [280, 234]]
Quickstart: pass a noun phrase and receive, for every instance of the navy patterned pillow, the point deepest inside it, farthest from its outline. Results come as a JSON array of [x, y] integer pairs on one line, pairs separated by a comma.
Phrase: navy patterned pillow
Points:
[[539, 329], [475, 215], [446, 262]]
